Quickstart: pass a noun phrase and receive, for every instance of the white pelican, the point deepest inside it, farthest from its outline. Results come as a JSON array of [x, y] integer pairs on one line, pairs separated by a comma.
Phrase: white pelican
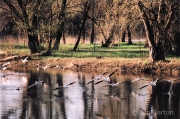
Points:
[[57, 66], [5, 64], [97, 78], [64, 87], [24, 60], [45, 67], [37, 83], [4, 68], [106, 78], [151, 83]]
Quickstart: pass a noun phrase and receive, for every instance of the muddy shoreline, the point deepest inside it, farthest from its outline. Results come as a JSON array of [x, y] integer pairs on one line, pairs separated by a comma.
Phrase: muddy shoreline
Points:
[[122, 65]]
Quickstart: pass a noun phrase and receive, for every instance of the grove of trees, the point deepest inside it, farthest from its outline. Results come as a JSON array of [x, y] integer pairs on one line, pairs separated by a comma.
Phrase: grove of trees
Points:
[[53, 20]]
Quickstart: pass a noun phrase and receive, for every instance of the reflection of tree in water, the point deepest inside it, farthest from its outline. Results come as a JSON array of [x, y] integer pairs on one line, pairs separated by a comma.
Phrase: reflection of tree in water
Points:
[[161, 105], [61, 95]]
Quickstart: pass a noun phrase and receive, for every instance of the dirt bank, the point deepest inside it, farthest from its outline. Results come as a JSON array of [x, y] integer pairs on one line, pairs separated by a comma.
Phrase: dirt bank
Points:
[[123, 65]]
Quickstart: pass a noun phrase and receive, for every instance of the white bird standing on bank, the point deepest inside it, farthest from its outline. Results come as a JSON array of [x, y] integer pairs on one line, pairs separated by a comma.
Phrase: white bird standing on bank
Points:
[[152, 83], [106, 78], [57, 66], [64, 87], [4, 68], [45, 67], [5, 64], [97, 78], [24, 60]]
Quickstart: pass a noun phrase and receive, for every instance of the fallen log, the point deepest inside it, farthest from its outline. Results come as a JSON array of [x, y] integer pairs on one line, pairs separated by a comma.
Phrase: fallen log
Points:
[[16, 57], [10, 58]]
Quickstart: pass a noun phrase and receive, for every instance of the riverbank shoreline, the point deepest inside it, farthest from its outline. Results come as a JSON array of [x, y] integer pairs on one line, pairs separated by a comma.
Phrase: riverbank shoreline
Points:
[[122, 65]]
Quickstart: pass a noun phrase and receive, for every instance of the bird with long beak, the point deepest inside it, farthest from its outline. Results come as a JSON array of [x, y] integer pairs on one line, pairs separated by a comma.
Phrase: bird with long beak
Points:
[[64, 87], [151, 83]]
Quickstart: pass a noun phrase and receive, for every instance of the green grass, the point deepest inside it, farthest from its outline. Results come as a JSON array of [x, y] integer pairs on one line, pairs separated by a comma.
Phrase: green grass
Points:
[[90, 50], [86, 50], [123, 50]]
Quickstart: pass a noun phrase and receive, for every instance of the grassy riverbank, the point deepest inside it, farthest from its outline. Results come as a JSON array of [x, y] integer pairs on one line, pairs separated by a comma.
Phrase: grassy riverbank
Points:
[[90, 57]]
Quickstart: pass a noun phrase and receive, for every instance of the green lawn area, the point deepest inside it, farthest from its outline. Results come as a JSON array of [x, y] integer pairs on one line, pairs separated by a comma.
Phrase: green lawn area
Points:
[[86, 50], [123, 50]]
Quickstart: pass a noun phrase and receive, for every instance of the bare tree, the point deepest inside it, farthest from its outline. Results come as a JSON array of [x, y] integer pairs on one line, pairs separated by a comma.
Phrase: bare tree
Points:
[[157, 19], [86, 10], [61, 23]]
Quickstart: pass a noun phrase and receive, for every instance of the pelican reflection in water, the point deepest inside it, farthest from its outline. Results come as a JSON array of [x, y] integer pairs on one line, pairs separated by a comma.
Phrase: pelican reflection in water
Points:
[[64, 87]]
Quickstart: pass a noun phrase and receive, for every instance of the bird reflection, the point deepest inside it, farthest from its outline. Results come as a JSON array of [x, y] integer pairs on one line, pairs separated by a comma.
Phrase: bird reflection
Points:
[[139, 94], [115, 97], [4, 75], [64, 87], [171, 85], [113, 84], [102, 116], [137, 79]]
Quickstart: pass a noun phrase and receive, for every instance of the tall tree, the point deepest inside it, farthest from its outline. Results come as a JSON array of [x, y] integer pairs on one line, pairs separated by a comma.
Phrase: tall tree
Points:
[[19, 9], [61, 23], [157, 21], [86, 10]]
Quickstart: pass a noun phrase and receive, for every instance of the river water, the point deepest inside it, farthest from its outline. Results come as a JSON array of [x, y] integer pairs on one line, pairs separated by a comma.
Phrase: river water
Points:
[[82, 100]]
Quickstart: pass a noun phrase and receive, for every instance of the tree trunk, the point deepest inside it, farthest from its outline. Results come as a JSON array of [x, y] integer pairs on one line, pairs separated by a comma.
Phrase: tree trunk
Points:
[[129, 35], [123, 38], [156, 52], [33, 42], [92, 22], [83, 36], [83, 24], [92, 32], [59, 34], [176, 44], [109, 39], [64, 37], [60, 30]]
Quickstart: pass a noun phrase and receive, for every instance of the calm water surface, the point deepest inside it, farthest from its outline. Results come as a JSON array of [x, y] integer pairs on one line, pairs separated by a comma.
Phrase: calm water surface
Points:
[[82, 101]]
